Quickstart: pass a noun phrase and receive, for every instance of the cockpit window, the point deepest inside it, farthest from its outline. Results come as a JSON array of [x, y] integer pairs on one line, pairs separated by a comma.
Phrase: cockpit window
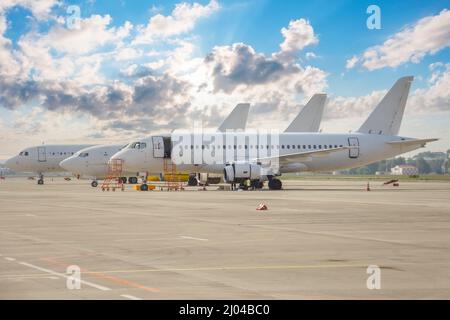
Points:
[[24, 153], [83, 154], [138, 145]]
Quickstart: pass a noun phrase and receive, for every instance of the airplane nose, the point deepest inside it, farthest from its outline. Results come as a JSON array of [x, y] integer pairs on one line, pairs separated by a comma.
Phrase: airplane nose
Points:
[[121, 155], [11, 163], [68, 164]]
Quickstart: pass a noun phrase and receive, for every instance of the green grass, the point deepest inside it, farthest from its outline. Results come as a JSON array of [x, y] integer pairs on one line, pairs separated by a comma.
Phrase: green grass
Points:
[[349, 177]]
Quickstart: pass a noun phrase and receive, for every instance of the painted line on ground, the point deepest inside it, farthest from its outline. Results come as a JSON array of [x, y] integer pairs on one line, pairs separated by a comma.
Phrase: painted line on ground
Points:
[[10, 259], [231, 268], [128, 296], [193, 238], [88, 283], [100, 275]]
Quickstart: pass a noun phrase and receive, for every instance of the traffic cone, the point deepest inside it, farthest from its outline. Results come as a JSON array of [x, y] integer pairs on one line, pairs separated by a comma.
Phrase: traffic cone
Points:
[[262, 206]]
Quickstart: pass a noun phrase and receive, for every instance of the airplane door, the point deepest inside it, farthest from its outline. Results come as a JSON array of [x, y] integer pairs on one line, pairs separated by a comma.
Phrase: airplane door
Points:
[[158, 147], [42, 157], [353, 143]]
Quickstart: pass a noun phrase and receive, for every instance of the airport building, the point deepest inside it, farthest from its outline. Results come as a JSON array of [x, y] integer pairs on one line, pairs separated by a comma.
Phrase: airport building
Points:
[[404, 169]]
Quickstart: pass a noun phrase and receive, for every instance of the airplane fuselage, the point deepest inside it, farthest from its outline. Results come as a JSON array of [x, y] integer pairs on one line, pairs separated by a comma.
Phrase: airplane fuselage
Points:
[[40, 159], [358, 149]]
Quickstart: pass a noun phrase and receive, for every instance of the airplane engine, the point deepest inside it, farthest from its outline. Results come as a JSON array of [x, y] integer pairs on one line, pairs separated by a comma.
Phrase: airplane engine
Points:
[[239, 172]]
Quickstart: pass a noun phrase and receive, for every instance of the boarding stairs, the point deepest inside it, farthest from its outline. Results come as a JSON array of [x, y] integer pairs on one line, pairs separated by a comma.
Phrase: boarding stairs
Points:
[[172, 178], [113, 178]]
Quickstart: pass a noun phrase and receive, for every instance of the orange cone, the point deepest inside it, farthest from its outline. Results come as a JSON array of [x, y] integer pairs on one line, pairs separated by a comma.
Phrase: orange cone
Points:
[[262, 206]]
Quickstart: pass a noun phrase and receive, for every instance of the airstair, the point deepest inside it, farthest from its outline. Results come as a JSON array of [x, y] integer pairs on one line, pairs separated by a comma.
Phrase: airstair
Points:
[[172, 179], [113, 179]]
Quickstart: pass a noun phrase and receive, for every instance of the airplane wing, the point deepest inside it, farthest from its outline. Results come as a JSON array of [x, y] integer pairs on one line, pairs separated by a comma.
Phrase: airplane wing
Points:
[[302, 156], [411, 142], [237, 119]]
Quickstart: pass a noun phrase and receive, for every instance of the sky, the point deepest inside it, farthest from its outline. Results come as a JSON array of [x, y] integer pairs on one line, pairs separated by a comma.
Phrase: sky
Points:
[[99, 71]]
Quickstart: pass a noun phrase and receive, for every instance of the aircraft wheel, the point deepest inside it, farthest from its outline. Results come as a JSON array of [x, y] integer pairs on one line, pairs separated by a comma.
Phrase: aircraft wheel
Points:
[[275, 184], [144, 187], [40, 181], [94, 184], [259, 184], [132, 180]]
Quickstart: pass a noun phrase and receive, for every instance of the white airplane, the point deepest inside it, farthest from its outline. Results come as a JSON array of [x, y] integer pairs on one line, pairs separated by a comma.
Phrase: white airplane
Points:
[[245, 157], [41, 159], [307, 120], [93, 161]]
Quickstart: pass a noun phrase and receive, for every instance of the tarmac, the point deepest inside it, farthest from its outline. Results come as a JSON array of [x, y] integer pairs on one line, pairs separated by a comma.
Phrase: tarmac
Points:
[[316, 241]]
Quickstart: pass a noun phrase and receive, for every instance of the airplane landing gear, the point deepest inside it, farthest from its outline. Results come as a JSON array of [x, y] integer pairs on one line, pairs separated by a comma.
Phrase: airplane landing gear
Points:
[[192, 181], [275, 184], [132, 180], [41, 179], [94, 184]]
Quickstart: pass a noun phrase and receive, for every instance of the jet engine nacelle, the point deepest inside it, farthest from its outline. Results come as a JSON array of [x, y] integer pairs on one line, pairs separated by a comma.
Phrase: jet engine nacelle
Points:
[[239, 172]]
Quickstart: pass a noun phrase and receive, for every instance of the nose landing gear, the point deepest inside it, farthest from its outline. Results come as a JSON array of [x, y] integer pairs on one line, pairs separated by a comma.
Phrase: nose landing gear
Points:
[[41, 179]]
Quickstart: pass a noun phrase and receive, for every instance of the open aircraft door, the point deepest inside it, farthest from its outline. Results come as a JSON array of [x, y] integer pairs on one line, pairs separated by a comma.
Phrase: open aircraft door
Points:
[[353, 143], [158, 147], [42, 156]]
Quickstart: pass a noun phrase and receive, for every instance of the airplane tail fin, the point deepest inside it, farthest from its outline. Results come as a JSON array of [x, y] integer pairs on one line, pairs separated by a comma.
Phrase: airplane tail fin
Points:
[[237, 119], [387, 116], [309, 118]]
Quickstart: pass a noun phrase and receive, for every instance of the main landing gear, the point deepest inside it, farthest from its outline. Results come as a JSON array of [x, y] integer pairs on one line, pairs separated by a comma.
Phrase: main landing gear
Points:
[[275, 184], [94, 184]]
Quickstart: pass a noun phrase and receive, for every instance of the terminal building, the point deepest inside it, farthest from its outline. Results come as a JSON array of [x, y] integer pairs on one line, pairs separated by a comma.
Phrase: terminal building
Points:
[[404, 169]]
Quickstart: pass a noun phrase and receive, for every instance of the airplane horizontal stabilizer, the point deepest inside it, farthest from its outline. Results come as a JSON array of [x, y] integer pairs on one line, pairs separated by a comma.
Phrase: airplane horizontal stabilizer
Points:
[[411, 142]]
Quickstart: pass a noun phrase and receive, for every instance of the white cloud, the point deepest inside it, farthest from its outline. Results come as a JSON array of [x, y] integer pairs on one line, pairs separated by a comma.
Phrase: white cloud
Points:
[[433, 99], [39, 8], [93, 33], [298, 35], [427, 36], [182, 19], [310, 55], [352, 62], [128, 53]]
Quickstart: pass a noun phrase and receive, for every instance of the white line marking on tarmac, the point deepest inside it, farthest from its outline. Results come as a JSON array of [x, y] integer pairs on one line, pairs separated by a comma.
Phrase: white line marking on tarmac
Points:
[[90, 284], [10, 259], [193, 238], [130, 297]]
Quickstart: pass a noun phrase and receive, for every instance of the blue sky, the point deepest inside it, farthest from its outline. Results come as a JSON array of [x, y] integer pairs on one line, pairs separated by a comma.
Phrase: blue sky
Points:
[[313, 54]]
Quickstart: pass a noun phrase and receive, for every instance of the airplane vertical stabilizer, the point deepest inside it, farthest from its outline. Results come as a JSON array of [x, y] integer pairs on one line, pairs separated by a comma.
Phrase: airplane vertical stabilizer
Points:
[[310, 117], [387, 116], [237, 119]]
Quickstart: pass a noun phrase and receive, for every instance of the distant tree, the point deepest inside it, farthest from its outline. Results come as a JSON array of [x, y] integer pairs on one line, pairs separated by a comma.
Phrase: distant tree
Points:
[[423, 166]]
